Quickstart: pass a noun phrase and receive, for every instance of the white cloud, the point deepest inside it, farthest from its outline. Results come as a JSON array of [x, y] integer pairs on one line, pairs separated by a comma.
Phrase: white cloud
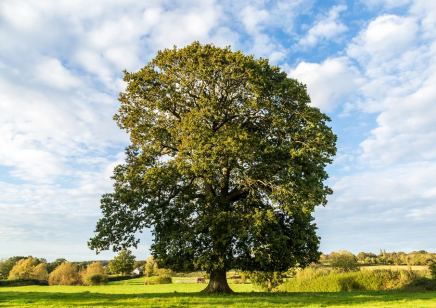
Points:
[[405, 128], [388, 4], [391, 208], [261, 17], [328, 83], [252, 17], [385, 37], [426, 11], [327, 28], [51, 72], [400, 73], [21, 14]]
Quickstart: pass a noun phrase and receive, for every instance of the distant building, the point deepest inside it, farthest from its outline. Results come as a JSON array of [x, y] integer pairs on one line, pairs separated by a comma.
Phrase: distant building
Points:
[[137, 271]]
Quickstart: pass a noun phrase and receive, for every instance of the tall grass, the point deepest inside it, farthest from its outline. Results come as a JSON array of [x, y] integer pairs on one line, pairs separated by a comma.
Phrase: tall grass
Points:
[[316, 281]]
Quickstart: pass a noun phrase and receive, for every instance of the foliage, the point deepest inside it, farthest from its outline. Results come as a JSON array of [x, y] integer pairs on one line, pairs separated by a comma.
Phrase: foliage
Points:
[[344, 261], [266, 281], [312, 271], [6, 265], [150, 267], [421, 257], [421, 284], [121, 278], [227, 163], [432, 269], [66, 274], [123, 263], [24, 269], [51, 266], [139, 264], [40, 272], [95, 279], [94, 274], [352, 281], [163, 280], [21, 282]]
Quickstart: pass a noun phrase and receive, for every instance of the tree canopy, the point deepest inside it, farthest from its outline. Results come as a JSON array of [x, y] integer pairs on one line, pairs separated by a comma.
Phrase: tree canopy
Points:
[[226, 164], [123, 263]]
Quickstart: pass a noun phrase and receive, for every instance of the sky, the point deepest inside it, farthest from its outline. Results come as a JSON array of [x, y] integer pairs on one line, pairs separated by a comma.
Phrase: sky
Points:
[[370, 65]]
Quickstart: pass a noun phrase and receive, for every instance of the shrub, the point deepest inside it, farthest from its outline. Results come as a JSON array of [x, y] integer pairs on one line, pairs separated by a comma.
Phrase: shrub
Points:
[[311, 271], [432, 269], [266, 281], [163, 280], [420, 284], [21, 282], [151, 269], [120, 278], [353, 281], [94, 274], [66, 274], [95, 279], [243, 278]]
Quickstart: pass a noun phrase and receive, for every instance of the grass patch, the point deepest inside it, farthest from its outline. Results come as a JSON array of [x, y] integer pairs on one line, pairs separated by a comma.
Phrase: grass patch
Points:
[[185, 295]]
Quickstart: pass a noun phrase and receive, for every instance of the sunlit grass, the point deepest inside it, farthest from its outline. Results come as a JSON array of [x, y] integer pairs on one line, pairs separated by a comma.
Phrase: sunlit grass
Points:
[[134, 294], [394, 267]]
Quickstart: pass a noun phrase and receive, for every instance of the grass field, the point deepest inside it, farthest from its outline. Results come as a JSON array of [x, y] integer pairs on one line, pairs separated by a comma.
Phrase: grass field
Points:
[[133, 294], [394, 267]]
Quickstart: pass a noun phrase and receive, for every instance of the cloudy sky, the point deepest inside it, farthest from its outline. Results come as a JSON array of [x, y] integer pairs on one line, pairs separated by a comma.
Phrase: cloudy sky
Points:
[[369, 64]]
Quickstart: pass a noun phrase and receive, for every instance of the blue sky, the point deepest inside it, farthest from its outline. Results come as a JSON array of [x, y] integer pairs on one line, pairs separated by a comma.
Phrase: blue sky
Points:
[[370, 65]]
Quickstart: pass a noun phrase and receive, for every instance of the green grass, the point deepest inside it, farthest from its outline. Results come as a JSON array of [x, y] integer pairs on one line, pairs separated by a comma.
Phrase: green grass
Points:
[[393, 267], [134, 294]]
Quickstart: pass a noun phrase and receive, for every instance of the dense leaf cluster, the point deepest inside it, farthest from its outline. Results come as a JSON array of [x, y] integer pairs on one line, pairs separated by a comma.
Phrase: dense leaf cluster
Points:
[[226, 163]]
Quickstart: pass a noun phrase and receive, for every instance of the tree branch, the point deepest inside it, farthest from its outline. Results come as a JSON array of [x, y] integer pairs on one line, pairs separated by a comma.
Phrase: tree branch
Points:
[[237, 194]]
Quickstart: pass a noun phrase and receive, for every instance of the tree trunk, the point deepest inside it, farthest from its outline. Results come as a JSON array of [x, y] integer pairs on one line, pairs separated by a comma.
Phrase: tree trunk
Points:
[[218, 283]]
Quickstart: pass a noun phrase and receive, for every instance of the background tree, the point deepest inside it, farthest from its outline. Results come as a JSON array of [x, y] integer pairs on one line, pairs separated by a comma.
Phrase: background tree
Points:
[[139, 264], [6, 265], [51, 266], [93, 274], [40, 271], [150, 269], [123, 263], [66, 274], [226, 165], [344, 261], [361, 256], [23, 269]]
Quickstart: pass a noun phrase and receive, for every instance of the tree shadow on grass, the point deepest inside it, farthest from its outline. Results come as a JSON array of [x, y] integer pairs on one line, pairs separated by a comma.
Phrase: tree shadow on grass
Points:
[[94, 299]]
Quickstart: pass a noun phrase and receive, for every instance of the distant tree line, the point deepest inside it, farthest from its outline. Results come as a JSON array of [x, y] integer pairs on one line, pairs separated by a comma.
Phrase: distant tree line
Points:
[[420, 257], [63, 272]]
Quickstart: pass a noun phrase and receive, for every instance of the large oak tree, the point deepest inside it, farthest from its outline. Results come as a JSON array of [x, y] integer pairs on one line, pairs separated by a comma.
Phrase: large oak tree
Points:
[[226, 164]]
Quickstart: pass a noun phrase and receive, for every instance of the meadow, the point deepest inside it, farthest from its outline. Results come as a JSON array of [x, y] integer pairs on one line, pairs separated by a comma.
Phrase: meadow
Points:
[[133, 293], [393, 267]]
